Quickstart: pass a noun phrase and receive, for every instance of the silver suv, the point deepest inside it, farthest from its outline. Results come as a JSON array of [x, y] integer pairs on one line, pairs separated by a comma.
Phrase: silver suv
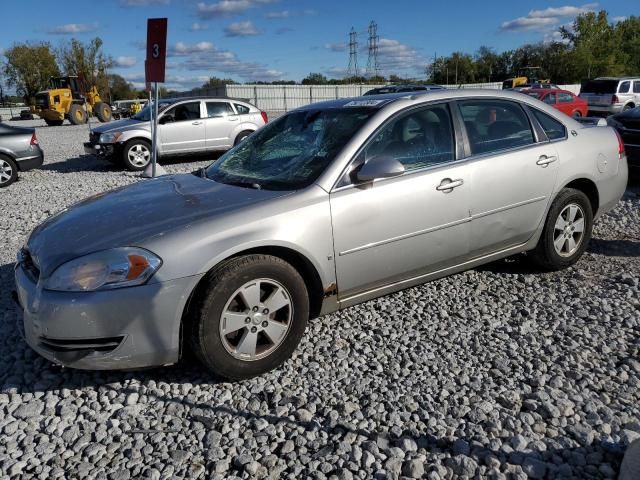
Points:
[[609, 95], [185, 126]]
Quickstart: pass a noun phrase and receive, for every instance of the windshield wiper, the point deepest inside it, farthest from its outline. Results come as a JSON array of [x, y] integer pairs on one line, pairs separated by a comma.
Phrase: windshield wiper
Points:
[[255, 186]]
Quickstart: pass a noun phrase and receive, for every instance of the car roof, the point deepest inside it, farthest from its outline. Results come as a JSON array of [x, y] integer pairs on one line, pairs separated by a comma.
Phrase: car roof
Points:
[[547, 90], [200, 97], [380, 101], [617, 78]]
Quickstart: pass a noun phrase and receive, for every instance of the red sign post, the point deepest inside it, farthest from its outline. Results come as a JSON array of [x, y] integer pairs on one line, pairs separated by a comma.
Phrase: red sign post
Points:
[[154, 67]]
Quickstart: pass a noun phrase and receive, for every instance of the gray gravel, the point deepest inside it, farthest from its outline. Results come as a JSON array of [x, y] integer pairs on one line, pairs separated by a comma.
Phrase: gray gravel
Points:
[[497, 372]]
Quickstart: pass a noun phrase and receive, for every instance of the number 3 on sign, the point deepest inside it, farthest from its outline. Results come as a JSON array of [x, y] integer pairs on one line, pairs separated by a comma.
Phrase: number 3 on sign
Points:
[[155, 50]]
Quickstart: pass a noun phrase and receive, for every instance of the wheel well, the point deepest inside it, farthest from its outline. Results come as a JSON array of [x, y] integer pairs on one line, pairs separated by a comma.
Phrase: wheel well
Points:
[[589, 188], [298, 261]]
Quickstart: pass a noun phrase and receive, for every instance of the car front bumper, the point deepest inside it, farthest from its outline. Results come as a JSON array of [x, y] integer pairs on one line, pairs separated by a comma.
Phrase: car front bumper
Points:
[[99, 149], [125, 328]]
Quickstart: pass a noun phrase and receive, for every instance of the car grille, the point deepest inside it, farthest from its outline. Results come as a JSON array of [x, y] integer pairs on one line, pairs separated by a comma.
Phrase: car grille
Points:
[[28, 265], [84, 345], [42, 100]]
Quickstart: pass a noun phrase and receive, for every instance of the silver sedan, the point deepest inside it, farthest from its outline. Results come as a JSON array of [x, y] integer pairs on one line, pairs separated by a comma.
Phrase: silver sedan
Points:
[[328, 206]]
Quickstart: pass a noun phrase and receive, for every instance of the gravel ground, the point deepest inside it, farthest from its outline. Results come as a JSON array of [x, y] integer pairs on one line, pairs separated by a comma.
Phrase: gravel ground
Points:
[[497, 372]]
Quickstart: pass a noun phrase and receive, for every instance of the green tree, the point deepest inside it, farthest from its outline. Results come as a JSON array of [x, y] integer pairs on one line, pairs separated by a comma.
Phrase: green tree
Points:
[[315, 79], [87, 60], [627, 34], [120, 89], [28, 68], [218, 82]]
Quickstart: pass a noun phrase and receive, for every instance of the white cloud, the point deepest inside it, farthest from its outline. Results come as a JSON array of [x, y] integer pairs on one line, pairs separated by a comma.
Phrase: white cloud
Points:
[[197, 27], [125, 62], [183, 49], [394, 56], [241, 29], [228, 7], [545, 20], [619, 19], [336, 47], [71, 28], [278, 15]]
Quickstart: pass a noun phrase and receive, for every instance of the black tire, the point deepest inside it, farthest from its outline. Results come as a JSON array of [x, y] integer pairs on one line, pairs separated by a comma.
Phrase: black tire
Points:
[[577, 114], [77, 115], [205, 316], [627, 107], [54, 123], [545, 255], [136, 154], [103, 112], [242, 135], [8, 171]]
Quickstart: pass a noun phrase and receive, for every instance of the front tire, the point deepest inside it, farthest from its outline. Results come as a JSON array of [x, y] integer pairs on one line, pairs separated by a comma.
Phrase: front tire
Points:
[[136, 154], [8, 171], [103, 112], [250, 316], [77, 115], [567, 231]]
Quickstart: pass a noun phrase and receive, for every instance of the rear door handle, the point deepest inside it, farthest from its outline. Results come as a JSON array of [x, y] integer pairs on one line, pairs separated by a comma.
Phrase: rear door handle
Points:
[[233, 119], [545, 160], [447, 185], [196, 123]]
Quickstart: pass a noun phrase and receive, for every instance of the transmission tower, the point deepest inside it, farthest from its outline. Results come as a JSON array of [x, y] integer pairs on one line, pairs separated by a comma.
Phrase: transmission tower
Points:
[[352, 71], [372, 63]]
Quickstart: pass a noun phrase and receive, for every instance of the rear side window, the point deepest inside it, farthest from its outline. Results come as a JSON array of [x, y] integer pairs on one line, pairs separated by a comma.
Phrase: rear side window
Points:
[[550, 99], [565, 98], [552, 127], [636, 86], [219, 109], [419, 139], [624, 87], [494, 125], [241, 109]]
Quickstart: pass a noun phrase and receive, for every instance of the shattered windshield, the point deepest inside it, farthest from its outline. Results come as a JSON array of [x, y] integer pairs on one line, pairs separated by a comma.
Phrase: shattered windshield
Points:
[[291, 152]]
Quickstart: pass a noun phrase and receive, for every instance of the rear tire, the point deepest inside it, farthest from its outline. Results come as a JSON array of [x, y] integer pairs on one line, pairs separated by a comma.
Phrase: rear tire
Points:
[[8, 171], [627, 107], [136, 154], [577, 114], [103, 112], [249, 317], [567, 231], [77, 115], [242, 135]]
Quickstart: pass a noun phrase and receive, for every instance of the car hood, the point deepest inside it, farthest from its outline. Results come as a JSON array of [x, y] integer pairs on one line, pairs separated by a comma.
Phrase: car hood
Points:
[[130, 215], [629, 118], [122, 126]]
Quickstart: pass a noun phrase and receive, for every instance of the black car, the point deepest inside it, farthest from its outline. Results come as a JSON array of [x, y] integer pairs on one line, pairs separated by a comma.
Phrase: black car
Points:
[[403, 88], [19, 151], [627, 124]]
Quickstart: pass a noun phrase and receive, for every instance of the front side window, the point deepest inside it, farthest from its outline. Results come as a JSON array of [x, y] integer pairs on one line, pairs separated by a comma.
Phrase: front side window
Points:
[[291, 152], [494, 125], [624, 87], [419, 139], [552, 127], [182, 112], [219, 109], [636, 86], [565, 97]]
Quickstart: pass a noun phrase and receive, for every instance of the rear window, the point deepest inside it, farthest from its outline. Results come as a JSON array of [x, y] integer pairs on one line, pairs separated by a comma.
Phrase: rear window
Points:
[[600, 86]]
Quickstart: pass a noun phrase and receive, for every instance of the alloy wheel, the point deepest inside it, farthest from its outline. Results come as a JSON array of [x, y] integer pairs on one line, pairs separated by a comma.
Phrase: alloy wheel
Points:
[[256, 319], [6, 171], [568, 231], [139, 155]]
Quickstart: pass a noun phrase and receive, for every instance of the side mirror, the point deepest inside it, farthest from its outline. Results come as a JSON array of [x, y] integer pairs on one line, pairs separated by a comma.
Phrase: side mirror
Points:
[[379, 167]]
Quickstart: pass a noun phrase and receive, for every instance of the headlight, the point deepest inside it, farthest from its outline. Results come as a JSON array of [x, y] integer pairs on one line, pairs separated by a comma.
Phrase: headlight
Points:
[[115, 268], [110, 137]]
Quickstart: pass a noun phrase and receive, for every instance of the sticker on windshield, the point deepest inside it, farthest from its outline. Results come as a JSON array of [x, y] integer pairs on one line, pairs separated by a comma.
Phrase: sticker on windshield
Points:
[[364, 103]]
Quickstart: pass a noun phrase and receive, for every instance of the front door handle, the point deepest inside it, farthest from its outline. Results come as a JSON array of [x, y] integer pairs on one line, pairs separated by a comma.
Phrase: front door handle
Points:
[[196, 123], [447, 185], [233, 119], [545, 160]]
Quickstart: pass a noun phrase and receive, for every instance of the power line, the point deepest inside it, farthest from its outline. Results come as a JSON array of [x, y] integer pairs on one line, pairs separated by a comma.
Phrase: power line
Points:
[[373, 67], [352, 70]]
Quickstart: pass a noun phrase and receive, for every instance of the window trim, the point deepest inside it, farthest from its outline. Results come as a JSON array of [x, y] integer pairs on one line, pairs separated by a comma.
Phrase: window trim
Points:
[[532, 125], [457, 154]]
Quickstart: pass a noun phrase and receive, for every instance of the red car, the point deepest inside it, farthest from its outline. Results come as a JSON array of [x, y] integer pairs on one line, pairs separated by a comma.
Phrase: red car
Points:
[[563, 100]]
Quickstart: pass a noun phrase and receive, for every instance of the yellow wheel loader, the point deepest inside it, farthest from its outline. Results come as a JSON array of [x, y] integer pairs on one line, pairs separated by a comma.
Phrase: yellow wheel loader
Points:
[[69, 98]]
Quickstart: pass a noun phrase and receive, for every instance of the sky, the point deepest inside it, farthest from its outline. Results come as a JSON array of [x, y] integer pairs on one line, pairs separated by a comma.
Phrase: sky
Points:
[[249, 40]]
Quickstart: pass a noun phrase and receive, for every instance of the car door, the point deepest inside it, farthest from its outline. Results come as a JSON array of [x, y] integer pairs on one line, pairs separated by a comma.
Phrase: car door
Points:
[[220, 124], [512, 174], [181, 128], [401, 228], [566, 103]]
